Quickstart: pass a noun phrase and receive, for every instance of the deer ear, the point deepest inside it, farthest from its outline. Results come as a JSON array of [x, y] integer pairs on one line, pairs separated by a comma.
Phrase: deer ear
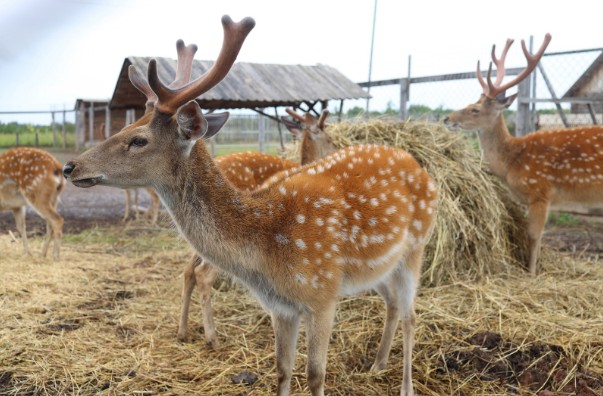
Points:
[[215, 122], [192, 125], [506, 101], [292, 126]]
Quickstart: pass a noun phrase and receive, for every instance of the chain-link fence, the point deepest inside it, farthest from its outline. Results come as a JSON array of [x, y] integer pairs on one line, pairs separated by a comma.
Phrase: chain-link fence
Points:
[[565, 90]]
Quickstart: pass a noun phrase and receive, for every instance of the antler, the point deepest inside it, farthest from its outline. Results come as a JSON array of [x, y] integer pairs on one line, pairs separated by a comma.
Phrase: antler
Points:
[[293, 114], [172, 98], [491, 90], [186, 54], [143, 86], [183, 74], [322, 118]]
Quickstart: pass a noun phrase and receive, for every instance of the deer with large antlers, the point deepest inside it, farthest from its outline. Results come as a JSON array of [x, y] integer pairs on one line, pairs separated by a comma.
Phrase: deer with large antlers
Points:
[[247, 172], [355, 220], [541, 168], [32, 177]]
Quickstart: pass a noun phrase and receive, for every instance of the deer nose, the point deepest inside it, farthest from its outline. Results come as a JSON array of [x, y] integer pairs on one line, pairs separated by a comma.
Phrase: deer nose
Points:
[[68, 168]]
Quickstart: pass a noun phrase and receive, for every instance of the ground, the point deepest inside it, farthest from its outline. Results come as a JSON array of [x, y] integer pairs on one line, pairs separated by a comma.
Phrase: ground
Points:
[[119, 287]]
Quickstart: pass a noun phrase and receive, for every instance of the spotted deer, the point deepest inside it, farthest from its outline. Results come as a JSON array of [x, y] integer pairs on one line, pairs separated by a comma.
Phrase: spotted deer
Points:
[[355, 220], [32, 177], [542, 168], [247, 172]]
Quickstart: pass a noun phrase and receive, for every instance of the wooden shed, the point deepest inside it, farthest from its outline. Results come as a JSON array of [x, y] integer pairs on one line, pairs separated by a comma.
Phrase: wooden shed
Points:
[[248, 86], [588, 86]]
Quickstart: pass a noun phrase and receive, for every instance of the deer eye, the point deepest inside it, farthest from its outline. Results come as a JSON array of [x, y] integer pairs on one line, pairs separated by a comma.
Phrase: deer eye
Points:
[[139, 142], [474, 111]]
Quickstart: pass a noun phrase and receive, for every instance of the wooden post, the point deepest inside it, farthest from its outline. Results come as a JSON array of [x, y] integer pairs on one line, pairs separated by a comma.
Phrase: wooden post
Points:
[[107, 122], [64, 131], [54, 131], [280, 131], [261, 126], [522, 121], [91, 124], [404, 97], [405, 93]]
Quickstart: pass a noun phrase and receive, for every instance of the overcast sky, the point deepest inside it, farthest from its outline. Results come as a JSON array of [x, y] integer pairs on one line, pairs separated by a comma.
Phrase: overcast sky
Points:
[[55, 51]]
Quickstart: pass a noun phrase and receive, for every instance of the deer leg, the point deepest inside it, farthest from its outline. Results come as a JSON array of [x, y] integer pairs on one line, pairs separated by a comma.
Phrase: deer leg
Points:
[[127, 209], [188, 285], [153, 212], [390, 291], [206, 275], [286, 329], [411, 273], [19, 215], [54, 230], [537, 213], [318, 332]]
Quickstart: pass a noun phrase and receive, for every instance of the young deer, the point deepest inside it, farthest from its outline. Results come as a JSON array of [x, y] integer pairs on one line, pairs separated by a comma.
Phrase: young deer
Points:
[[29, 176], [542, 168], [247, 172], [357, 219]]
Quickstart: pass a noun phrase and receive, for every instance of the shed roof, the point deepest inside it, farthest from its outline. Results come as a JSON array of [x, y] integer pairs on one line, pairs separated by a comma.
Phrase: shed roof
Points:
[[247, 85], [585, 78]]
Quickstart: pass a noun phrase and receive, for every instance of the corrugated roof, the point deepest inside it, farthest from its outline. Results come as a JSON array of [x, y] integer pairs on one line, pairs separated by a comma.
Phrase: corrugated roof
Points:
[[247, 85]]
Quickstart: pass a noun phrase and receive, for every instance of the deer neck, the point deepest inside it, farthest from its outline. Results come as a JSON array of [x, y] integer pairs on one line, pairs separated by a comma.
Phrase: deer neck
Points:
[[212, 215], [497, 147]]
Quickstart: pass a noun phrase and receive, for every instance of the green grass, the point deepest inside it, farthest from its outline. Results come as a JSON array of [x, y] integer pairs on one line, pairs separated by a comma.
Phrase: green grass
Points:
[[29, 139], [129, 239], [563, 219]]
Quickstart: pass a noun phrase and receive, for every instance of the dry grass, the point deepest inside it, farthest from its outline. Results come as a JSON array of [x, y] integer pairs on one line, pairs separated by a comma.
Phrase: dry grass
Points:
[[104, 319], [480, 230]]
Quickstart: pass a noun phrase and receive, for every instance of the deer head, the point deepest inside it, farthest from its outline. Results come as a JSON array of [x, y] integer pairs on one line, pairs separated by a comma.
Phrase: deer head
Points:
[[315, 143], [493, 101], [148, 148]]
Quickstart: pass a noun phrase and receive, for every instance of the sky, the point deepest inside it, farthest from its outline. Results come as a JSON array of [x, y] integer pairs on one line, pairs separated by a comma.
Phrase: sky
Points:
[[55, 51]]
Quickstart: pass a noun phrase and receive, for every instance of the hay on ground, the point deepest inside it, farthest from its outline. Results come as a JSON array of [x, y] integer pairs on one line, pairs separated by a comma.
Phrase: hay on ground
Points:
[[104, 320]]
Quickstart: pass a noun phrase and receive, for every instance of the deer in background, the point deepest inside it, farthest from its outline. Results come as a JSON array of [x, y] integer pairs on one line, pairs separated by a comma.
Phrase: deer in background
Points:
[[247, 172], [358, 219], [32, 177], [541, 168]]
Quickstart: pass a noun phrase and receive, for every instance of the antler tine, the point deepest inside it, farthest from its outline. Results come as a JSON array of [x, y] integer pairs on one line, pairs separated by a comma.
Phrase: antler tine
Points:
[[481, 80], [322, 118], [171, 99], [186, 54], [500, 63], [293, 114], [533, 60], [141, 83]]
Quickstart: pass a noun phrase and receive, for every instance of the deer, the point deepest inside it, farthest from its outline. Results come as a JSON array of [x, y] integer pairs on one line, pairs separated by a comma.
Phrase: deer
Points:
[[355, 220], [246, 171], [33, 177], [542, 169], [249, 171]]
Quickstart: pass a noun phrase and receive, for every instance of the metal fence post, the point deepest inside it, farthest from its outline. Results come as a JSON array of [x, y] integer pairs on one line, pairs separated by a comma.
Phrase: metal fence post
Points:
[[522, 122]]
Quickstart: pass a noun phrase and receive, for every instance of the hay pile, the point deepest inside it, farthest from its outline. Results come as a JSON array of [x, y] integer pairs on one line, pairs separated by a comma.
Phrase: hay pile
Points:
[[104, 320], [480, 229]]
